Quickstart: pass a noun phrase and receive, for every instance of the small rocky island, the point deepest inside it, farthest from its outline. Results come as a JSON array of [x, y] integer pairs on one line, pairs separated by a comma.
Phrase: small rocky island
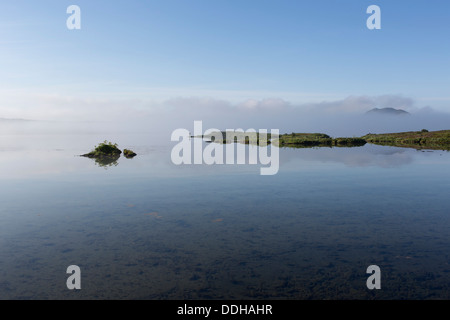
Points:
[[128, 153], [107, 153]]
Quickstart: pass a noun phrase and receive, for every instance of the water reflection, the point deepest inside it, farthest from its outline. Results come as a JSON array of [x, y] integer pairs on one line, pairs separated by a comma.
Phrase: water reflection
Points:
[[25, 159], [106, 162], [144, 230], [369, 155]]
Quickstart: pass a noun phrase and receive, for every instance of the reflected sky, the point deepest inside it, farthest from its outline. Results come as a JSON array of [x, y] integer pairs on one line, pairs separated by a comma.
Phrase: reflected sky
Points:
[[368, 155], [148, 229]]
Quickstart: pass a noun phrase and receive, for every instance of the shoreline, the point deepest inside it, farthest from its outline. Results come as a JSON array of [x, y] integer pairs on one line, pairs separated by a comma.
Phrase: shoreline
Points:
[[424, 139]]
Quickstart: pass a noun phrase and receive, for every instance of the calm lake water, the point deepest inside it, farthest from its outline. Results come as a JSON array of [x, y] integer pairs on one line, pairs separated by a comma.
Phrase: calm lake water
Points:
[[147, 229]]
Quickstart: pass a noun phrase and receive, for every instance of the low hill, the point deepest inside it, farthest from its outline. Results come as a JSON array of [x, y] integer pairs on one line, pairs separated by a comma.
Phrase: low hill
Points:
[[387, 111]]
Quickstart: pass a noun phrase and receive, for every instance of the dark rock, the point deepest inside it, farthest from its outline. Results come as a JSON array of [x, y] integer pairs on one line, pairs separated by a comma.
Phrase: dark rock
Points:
[[128, 153]]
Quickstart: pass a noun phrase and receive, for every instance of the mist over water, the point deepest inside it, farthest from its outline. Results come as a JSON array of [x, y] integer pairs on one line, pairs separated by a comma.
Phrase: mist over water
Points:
[[346, 117], [296, 120]]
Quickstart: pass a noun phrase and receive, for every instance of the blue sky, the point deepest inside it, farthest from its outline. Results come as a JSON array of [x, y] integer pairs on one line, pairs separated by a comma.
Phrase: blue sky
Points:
[[234, 50]]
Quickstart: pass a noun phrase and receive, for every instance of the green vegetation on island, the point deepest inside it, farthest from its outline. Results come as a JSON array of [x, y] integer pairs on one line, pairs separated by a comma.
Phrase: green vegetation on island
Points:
[[107, 153], [424, 139], [104, 149], [306, 140]]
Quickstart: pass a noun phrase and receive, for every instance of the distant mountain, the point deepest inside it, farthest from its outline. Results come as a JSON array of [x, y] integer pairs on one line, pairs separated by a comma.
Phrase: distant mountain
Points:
[[387, 111]]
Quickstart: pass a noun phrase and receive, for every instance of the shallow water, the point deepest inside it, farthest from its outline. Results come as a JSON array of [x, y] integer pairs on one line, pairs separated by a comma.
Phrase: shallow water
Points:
[[147, 229]]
